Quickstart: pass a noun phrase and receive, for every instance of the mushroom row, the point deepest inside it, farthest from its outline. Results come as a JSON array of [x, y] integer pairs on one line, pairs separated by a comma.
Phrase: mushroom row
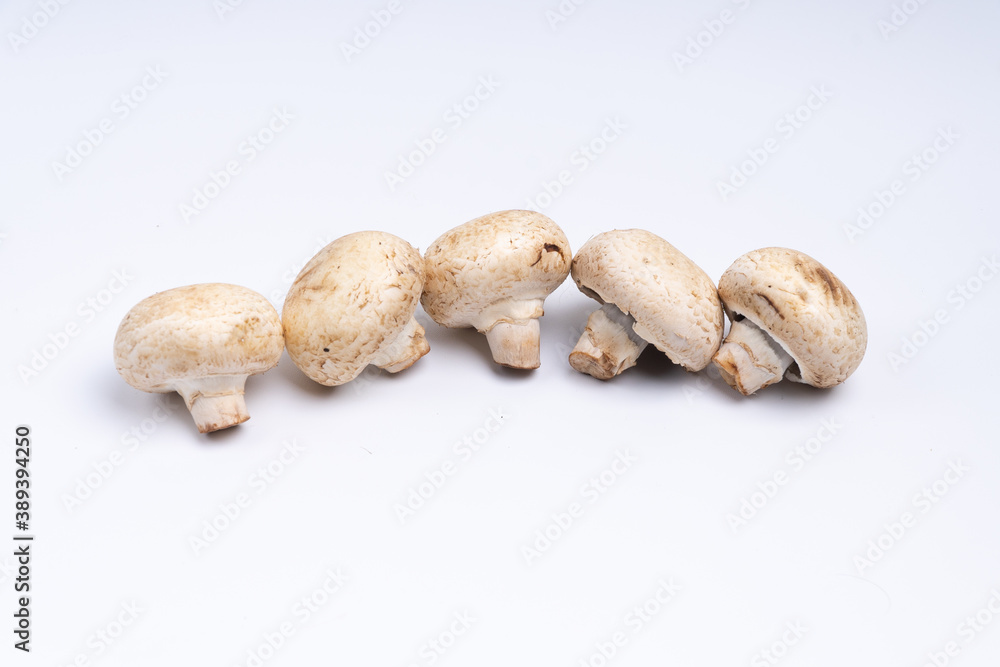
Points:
[[353, 306]]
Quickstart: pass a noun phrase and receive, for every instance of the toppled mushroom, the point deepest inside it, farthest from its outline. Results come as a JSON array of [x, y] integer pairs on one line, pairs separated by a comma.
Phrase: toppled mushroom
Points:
[[493, 273], [352, 305], [201, 341], [791, 317], [652, 293]]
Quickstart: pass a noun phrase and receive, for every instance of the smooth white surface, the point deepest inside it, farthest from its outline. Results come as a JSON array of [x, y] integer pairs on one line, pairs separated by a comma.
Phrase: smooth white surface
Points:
[[699, 448]]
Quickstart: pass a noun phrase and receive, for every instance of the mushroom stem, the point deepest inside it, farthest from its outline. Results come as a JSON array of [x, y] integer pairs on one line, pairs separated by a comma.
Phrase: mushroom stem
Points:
[[609, 345], [750, 359], [515, 345], [216, 402], [404, 350]]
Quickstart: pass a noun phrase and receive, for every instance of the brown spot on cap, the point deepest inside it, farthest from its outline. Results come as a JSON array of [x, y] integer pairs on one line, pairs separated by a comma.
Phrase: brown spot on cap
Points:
[[829, 281], [771, 304]]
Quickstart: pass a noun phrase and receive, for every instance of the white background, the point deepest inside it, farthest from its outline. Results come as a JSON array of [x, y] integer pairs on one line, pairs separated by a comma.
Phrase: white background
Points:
[[700, 449]]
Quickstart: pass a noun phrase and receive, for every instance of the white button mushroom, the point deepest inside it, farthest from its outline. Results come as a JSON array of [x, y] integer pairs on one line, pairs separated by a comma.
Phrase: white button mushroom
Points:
[[352, 305], [493, 273], [201, 341], [652, 293], [790, 317]]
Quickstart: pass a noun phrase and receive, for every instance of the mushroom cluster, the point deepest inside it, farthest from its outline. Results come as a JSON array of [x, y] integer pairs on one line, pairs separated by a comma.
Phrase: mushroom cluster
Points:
[[353, 304]]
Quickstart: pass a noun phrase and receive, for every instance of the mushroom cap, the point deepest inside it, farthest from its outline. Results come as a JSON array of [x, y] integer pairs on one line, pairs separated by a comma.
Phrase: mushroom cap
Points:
[[803, 306], [354, 296], [497, 268], [197, 331], [673, 301]]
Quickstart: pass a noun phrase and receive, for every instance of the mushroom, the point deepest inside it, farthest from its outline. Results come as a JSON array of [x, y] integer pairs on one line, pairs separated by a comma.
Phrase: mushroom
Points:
[[791, 317], [352, 305], [201, 341], [493, 273], [651, 293]]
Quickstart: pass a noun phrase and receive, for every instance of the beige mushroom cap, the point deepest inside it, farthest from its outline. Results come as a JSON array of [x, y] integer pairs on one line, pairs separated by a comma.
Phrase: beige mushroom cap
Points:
[[672, 300], [806, 309], [497, 268], [352, 305], [201, 341]]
